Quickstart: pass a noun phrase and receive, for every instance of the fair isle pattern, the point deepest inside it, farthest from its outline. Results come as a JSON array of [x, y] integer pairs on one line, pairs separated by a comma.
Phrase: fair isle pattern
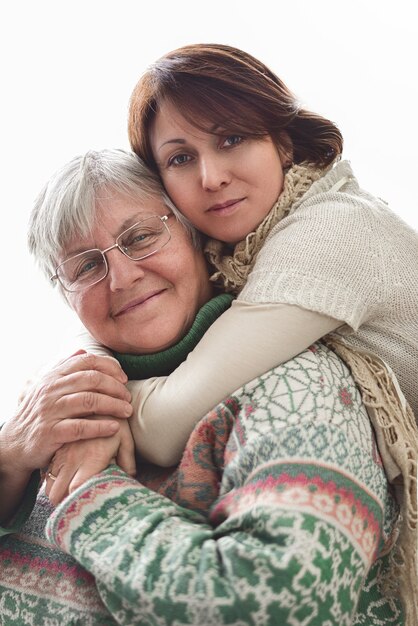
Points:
[[321, 396], [312, 388], [307, 492], [373, 608], [290, 530], [40, 586]]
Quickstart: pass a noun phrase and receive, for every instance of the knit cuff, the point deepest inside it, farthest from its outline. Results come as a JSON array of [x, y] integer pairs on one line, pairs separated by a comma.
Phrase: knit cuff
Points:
[[102, 508], [72, 515]]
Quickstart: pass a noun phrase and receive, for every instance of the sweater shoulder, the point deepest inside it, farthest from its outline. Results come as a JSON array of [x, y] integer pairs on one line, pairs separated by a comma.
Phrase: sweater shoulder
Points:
[[340, 252]]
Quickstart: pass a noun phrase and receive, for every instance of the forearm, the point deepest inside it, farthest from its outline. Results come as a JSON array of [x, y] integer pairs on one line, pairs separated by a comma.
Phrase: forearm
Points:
[[84, 341], [151, 557], [243, 343]]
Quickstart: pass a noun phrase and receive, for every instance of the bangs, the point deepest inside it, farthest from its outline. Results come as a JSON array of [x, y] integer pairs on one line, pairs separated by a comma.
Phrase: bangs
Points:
[[216, 112], [222, 90]]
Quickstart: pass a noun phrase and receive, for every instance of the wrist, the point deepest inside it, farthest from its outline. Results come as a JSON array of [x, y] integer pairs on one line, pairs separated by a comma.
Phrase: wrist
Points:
[[11, 459]]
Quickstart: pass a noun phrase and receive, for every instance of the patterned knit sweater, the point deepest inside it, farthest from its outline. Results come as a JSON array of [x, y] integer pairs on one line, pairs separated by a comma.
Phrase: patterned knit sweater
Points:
[[43, 586], [279, 514], [39, 584]]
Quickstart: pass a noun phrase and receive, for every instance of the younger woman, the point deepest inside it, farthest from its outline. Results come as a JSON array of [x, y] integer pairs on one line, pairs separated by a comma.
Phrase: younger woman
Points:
[[306, 250], [292, 234]]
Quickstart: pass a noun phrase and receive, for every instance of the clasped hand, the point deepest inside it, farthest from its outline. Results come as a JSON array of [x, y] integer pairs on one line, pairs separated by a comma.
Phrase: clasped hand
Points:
[[76, 462], [52, 416]]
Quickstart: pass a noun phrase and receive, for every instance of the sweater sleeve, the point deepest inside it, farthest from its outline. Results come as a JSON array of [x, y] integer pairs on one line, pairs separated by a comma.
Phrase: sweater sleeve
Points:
[[83, 340], [291, 541], [246, 341]]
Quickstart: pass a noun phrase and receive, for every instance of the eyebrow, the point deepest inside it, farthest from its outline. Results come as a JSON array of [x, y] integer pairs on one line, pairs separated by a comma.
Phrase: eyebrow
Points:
[[130, 221], [177, 141]]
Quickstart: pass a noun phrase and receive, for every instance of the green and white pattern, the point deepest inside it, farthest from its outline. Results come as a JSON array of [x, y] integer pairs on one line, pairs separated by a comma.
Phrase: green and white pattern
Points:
[[289, 519]]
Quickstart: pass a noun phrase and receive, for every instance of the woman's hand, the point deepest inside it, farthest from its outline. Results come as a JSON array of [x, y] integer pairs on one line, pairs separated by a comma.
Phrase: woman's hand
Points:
[[74, 463], [52, 412]]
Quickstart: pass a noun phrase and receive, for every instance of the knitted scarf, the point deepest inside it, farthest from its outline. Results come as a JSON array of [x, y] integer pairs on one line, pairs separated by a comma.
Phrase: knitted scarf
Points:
[[391, 417], [233, 270]]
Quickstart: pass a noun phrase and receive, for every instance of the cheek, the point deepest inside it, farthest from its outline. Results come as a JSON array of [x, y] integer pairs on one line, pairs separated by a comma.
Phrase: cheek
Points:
[[276, 187], [193, 280], [76, 303], [199, 279], [272, 178], [88, 308], [181, 190]]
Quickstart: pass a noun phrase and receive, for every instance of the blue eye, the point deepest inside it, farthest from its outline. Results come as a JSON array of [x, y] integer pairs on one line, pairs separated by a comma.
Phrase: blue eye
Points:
[[88, 265], [138, 238], [233, 140], [82, 267], [179, 159], [142, 237]]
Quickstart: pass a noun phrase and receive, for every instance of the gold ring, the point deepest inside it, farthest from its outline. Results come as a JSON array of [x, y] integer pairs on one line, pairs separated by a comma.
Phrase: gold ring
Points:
[[51, 476]]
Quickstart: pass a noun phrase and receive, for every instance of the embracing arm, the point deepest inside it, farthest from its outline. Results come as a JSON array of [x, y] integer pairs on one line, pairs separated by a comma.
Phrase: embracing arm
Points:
[[289, 540], [84, 341], [246, 341]]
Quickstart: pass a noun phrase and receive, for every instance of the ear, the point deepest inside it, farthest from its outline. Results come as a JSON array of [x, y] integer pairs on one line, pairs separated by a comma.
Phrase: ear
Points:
[[285, 149]]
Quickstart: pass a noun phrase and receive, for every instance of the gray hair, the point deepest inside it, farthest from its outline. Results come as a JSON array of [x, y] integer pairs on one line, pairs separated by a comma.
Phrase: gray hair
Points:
[[66, 206]]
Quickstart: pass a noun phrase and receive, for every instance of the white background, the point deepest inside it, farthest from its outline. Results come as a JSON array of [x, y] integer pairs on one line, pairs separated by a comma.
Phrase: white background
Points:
[[68, 69]]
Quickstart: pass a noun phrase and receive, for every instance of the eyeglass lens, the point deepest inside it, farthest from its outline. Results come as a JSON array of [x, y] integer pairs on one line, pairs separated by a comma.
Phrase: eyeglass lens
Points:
[[137, 242]]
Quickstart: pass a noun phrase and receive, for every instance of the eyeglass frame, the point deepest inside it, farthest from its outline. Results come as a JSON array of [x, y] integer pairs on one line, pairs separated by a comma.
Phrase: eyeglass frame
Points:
[[162, 218]]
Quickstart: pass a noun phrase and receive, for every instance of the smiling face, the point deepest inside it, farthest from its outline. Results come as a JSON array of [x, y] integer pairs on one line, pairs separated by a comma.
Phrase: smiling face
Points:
[[141, 306], [225, 185]]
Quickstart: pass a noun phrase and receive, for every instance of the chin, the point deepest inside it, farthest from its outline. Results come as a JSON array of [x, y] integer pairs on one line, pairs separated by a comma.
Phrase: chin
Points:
[[149, 347], [158, 340]]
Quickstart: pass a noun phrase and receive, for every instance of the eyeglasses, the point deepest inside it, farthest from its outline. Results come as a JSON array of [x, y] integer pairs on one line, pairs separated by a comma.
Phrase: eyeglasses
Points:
[[137, 242]]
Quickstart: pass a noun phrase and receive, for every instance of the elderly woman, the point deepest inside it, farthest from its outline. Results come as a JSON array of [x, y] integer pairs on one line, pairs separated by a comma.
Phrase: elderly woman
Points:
[[279, 512]]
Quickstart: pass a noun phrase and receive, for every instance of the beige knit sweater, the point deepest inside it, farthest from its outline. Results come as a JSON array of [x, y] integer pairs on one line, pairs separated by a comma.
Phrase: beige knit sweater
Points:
[[344, 254]]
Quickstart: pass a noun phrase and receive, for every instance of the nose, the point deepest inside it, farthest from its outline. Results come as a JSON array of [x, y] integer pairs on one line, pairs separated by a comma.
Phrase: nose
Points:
[[122, 272], [214, 173]]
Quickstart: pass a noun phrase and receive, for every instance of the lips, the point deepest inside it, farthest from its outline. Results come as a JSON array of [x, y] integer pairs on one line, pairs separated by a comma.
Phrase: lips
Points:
[[126, 308], [229, 204]]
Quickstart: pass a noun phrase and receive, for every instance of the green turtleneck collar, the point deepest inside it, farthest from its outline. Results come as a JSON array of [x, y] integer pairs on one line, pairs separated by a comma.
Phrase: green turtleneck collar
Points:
[[139, 366]]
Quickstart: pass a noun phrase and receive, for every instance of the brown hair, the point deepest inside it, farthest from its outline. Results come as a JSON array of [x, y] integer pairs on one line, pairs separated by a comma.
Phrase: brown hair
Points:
[[217, 86]]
